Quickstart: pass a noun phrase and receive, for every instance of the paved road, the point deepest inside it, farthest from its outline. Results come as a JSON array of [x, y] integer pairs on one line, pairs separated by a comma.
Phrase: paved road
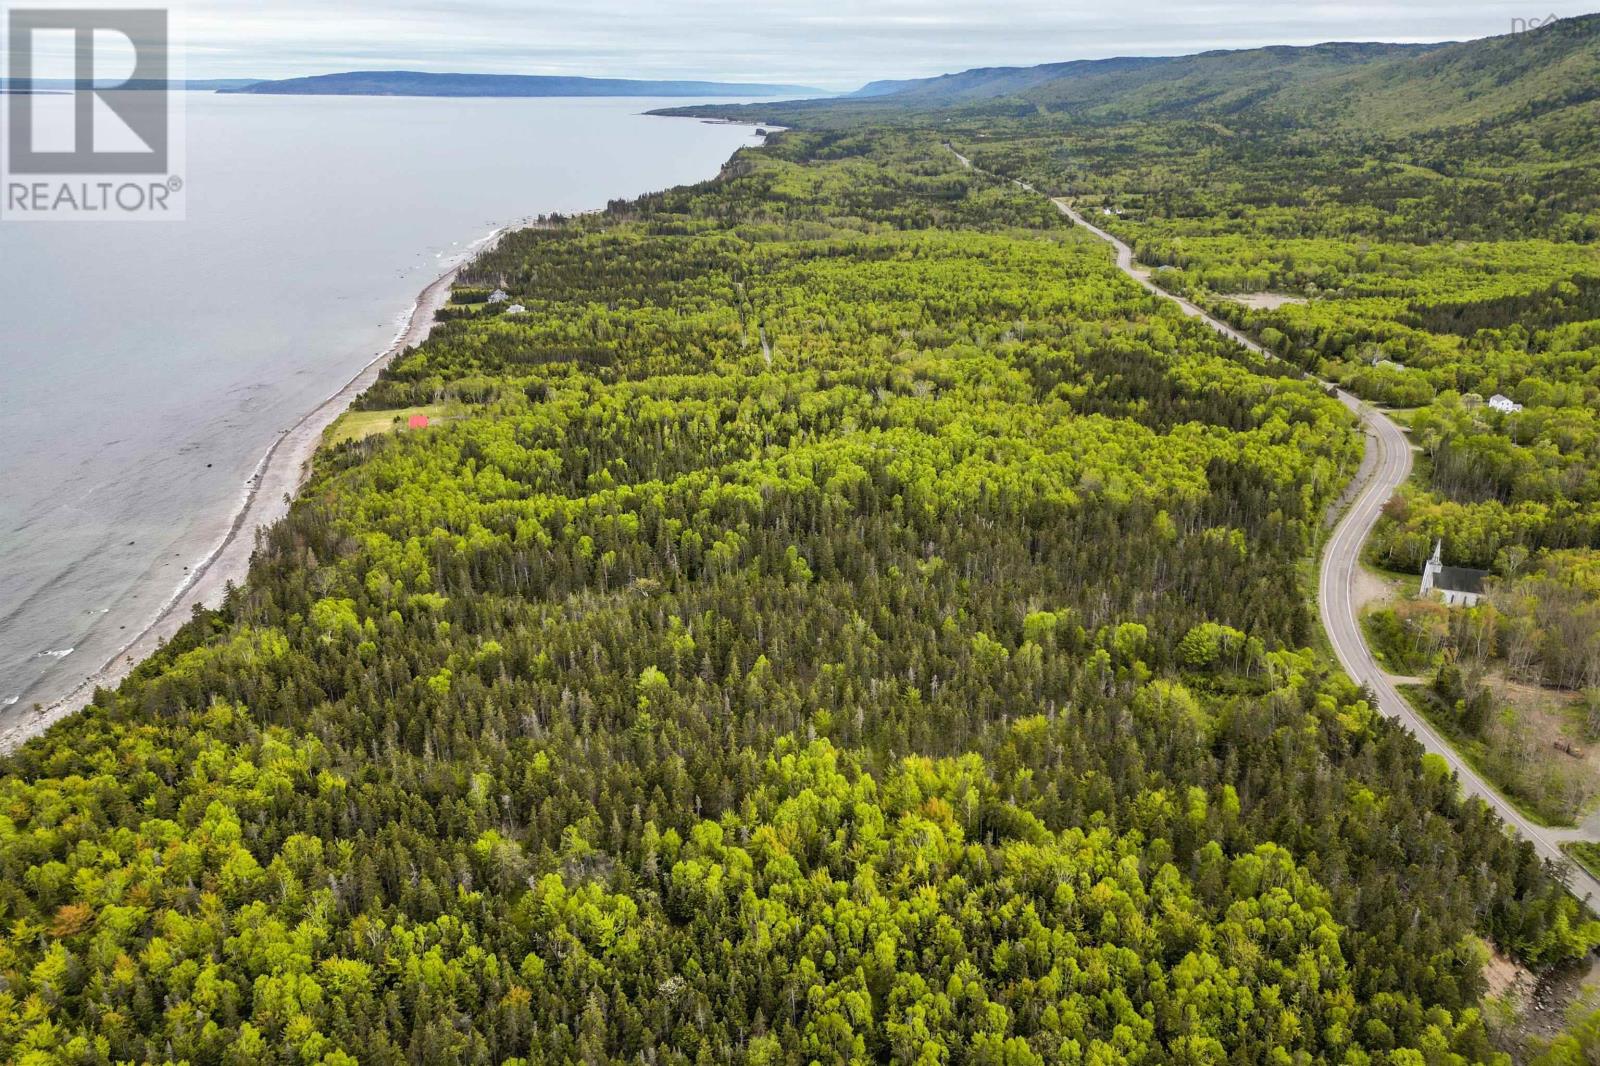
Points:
[[1340, 617], [1335, 585]]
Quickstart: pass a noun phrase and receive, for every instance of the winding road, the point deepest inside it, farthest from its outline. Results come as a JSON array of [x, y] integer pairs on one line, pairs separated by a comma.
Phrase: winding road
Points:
[[1388, 468]]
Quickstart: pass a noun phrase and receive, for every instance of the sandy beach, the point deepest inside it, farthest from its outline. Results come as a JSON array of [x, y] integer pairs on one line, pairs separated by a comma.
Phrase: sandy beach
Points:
[[277, 478]]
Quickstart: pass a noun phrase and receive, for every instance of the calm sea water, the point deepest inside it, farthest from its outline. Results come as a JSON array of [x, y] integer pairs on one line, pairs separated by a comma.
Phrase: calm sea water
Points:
[[145, 368]]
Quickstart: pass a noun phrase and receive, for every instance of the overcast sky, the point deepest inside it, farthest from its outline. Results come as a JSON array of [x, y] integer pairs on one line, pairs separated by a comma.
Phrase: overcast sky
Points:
[[835, 44]]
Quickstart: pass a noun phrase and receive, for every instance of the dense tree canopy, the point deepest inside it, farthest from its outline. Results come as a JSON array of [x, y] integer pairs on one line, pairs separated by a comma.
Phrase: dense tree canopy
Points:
[[845, 620]]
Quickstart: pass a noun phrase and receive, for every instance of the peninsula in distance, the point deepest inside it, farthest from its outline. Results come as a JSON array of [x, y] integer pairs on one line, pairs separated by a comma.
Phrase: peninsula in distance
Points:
[[420, 83]]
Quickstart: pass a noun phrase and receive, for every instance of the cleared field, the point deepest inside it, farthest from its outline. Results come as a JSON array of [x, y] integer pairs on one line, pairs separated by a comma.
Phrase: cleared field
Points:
[[358, 425]]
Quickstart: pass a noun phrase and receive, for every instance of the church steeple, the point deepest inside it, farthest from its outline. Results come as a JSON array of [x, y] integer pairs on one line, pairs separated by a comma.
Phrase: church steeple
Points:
[[1430, 570]]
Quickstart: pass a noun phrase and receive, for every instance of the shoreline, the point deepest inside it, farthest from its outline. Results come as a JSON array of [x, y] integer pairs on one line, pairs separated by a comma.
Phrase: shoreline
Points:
[[270, 491], [276, 479]]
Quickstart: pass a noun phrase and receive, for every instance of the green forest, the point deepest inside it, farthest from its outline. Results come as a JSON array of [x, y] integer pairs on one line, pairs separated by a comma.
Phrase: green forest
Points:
[[842, 618]]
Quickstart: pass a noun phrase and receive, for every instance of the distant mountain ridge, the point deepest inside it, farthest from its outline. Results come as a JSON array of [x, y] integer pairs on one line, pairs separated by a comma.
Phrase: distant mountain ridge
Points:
[[1364, 87], [420, 83], [986, 82]]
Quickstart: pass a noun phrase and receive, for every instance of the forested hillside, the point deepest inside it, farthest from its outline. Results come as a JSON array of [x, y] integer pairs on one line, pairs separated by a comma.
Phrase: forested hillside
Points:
[[1217, 82], [848, 620], [1424, 224], [1521, 80], [1420, 226], [1426, 268]]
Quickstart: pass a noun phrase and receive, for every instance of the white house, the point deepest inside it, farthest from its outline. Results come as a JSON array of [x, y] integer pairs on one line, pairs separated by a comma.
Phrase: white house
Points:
[[499, 296], [1458, 586], [1504, 404], [515, 309]]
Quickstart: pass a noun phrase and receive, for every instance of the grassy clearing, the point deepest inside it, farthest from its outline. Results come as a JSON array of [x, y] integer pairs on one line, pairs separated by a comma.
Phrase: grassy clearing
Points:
[[359, 425], [1402, 415], [1404, 580]]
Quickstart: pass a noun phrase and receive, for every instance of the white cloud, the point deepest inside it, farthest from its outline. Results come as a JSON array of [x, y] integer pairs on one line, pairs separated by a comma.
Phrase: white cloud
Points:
[[832, 43]]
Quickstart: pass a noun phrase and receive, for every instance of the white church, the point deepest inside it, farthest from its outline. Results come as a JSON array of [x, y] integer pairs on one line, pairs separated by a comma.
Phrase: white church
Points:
[[1458, 586]]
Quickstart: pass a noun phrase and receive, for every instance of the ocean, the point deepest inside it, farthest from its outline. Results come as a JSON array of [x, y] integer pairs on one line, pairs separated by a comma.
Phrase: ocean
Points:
[[146, 368]]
